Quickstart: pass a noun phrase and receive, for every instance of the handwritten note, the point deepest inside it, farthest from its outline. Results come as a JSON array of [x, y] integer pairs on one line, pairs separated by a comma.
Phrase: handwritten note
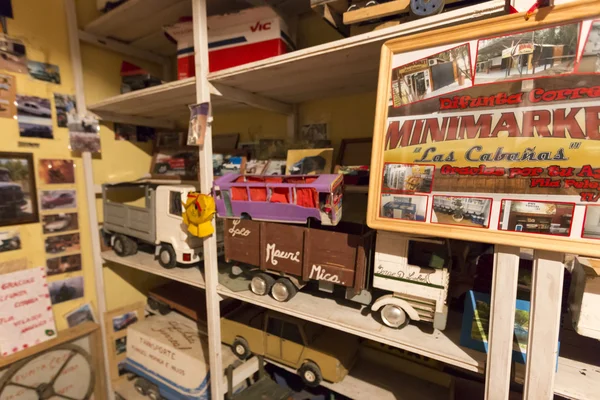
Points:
[[26, 317]]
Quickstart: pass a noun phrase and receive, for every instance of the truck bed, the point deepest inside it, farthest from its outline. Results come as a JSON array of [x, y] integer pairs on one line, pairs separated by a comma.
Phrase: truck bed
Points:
[[133, 221]]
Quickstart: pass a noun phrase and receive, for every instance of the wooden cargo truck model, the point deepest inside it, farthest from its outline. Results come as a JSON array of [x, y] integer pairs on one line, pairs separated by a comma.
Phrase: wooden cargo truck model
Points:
[[284, 258], [315, 351]]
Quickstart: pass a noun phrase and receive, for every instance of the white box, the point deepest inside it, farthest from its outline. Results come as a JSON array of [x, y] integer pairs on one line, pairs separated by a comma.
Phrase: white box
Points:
[[584, 300]]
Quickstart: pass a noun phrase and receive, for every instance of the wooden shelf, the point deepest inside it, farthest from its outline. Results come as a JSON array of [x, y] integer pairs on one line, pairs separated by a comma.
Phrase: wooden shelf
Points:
[[443, 346], [145, 262], [342, 67]]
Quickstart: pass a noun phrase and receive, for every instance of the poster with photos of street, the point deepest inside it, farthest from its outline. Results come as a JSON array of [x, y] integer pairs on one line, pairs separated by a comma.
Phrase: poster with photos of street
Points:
[[465, 128]]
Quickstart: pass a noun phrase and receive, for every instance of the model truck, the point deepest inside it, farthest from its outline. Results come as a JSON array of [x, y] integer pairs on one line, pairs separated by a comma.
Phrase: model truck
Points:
[[158, 223], [417, 271], [281, 259], [315, 351]]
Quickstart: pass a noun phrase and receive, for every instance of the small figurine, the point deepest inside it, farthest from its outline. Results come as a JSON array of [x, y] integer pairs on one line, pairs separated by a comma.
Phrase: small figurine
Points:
[[198, 214]]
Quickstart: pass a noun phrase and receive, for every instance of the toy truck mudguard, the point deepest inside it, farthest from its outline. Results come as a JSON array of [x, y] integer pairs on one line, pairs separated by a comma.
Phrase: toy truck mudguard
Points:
[[295, 255], [417, 271]]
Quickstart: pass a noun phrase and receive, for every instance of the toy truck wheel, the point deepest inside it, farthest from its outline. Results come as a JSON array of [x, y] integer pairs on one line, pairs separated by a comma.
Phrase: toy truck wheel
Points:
[[153, 393], [124, 246], [167, 257], [310, 374], [241, 348], [425, 8], [261, 283], [141, 385], [283, 290], [157, 305], [393, 316]]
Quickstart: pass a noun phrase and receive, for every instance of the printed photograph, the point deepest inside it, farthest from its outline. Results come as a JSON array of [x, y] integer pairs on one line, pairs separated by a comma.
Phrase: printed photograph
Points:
[[465, 211], [533, 54], [175, 163], [13, 56], [224, 164], [432, 76], [58, 199], [272, 149], [56, 223], [591, 223], [35, 117], [56, 171], [122, 321], [80, 315], [309, 162], [120, 345], [198, 121], [64, 105], [256, 167], [8, 96], [84, 133], [313, 132], [64, 264], [590, 59], [66, 289], [410, 208], [44, 72], [17, 189], [10, 240], [536, 217], [62, 243], [275, 167], [407, 178]]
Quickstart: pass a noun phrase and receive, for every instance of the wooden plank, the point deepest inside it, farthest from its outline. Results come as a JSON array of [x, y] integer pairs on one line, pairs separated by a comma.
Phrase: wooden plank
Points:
[[502, 322], [121, 48], [252, 99], [378, 11], [544, 325]]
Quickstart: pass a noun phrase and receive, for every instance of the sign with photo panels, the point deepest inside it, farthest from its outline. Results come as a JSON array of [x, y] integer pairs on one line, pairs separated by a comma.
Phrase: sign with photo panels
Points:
[[495, 135]]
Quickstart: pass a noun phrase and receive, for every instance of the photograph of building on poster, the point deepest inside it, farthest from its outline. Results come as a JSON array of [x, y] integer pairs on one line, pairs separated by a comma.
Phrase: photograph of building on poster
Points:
[[411, 208], [591, 223], [432, 76], [590, 59], [407, 178], [465, 211], [544, 52], [543, 217]]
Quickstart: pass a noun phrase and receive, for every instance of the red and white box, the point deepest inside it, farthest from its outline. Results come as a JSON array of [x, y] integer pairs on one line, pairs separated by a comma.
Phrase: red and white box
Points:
[[233, 39]]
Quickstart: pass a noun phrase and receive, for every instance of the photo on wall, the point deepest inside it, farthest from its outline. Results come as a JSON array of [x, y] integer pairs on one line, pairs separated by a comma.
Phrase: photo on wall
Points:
[[62, 243], [80, 315], [43, 71], [120, 345], [432, 76], [35, 117], [13, 56], [398, 178], [10, 240], [465, 211], [405, 207], [58, 199], [56, 223], [65, 105], [64, 264], [56, 171], [84, 133], [524, 55], [8, 96], [548, 218], [224, 164], [122, 321], [66, 289], [17, 189], [590, 59]]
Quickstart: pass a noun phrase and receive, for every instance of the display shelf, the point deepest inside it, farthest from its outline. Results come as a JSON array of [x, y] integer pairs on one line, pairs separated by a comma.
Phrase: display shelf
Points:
[[337, 68], [443, 346], [146, 262]]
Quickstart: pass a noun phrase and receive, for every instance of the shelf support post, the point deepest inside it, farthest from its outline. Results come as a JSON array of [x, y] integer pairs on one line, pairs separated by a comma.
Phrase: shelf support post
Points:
[[211, 272], [502, 322], [544, 325], [90, 187]]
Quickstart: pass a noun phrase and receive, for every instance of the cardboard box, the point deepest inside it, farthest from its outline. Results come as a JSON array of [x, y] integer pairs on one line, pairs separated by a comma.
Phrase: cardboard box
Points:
[[233, 39]]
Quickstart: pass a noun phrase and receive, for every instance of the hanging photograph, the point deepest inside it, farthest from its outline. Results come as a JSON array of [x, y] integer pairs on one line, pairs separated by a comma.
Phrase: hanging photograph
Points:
[[80, 315], [65, 105], [8, 96], [122, 321], [400, 178], [224, 164], [309, 162], [62, 243], [466, 211], [432, 76], [44, 72], [84, 133], [197, 126], [55, 199], [410, 208], [10, 240], [17, 189], [66, 289], [175, 163], [35, 117], [536, 217], [590, 60], [12, 54], [56, 171], [56, 223], [64, 264], [530, 54]]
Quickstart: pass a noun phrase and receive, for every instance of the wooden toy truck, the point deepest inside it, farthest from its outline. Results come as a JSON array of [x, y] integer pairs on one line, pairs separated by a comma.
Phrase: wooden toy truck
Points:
[[284, 258]]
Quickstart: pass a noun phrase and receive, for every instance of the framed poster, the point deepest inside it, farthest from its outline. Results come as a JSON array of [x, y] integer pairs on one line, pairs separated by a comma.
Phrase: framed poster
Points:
[[489, 132]]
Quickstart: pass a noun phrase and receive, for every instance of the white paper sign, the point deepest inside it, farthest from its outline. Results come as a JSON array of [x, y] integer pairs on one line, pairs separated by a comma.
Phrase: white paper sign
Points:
[[26, 317]]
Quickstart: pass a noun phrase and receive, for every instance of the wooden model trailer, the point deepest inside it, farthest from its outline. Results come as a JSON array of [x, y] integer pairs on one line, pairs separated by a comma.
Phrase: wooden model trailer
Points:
[[284, 258]]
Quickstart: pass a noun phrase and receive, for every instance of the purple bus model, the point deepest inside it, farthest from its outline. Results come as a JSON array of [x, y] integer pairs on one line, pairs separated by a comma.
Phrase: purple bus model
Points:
[[284, 198]]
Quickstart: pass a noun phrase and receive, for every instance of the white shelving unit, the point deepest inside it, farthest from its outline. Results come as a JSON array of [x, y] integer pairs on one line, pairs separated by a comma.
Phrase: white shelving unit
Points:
[[278, 84]]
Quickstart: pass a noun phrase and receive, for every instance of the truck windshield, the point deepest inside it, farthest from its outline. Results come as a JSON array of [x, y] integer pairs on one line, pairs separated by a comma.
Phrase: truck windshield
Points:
[[175, 206]]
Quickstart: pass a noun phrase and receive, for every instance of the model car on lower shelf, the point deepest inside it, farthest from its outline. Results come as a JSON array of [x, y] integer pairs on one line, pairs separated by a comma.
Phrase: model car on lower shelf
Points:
[[316, 352]]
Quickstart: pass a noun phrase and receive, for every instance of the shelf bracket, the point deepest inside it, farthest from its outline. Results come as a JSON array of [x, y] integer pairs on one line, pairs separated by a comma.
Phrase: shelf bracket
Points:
[[122, 48], [332, 12], [251, 99]]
